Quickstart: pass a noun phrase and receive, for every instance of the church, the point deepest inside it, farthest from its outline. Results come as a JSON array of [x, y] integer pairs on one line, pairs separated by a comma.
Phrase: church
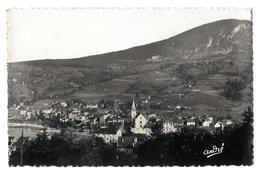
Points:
[[122, 135], [138, 122]]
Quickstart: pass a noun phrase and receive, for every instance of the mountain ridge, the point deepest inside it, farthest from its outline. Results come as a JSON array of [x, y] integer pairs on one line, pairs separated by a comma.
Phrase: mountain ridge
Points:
[[235, 21], [196, 63]]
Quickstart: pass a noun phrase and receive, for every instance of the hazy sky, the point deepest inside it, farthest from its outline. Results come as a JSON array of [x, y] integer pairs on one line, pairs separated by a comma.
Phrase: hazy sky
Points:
[[71, 33]]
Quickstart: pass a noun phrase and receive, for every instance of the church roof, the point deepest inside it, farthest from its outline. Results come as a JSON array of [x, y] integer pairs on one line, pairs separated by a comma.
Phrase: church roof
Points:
[[133, 105], [139, 114]]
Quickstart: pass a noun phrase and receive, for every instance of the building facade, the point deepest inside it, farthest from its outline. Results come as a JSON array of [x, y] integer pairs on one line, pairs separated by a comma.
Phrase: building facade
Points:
[[168, 127]]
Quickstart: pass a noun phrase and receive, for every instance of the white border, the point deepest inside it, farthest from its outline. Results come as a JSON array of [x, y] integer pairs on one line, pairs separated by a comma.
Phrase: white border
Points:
[[125, 3]]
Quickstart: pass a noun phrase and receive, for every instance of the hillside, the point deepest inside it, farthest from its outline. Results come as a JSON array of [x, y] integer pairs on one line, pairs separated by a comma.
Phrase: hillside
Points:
[[195, 63]]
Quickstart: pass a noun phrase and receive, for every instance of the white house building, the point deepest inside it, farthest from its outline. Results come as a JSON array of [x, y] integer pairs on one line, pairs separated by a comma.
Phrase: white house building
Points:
[[191, 122], [207, 122], [219, 124], [168, 127], [228, 122], [92, 106], [23, 112], [112, 136]]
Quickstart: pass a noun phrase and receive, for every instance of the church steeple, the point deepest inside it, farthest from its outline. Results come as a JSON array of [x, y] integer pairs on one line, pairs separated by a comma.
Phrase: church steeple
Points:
[[133, 105], [133, 111]]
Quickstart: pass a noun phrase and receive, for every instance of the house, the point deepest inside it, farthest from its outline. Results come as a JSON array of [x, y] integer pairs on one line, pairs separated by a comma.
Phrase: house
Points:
[[63, 104], [168, 127], [178, 107], [111, 134], [219, 124], [92, 106], [46, 111], [45, 104], [85, 113], [227, 122], [109, 138], [191, 122], [72, 116], [13, 112], [23, 112], [145, 131], [179, 122], [207, 122], [210, 118], [113, 120], [29, 113]]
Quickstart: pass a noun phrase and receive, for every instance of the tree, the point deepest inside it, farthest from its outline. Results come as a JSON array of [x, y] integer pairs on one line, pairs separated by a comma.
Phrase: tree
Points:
[[248, 116], [232, 89], [247, 135]]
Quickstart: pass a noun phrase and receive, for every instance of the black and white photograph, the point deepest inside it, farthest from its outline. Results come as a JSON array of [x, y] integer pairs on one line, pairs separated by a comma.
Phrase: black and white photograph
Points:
[[130, 87]]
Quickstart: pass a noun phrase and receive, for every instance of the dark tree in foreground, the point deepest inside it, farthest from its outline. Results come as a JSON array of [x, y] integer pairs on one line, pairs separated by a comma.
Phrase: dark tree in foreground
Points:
[[248, 135], [64, 150], [185, 147]]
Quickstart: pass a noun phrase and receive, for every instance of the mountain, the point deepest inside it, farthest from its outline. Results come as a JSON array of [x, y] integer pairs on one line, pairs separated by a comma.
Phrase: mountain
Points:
[[196, 62]]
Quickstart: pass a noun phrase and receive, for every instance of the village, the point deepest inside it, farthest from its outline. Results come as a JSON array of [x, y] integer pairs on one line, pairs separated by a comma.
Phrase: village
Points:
[[124, 128]]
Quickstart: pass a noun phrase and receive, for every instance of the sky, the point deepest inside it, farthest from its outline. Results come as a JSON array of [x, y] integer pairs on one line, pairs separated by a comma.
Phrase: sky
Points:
[[71, 33]]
